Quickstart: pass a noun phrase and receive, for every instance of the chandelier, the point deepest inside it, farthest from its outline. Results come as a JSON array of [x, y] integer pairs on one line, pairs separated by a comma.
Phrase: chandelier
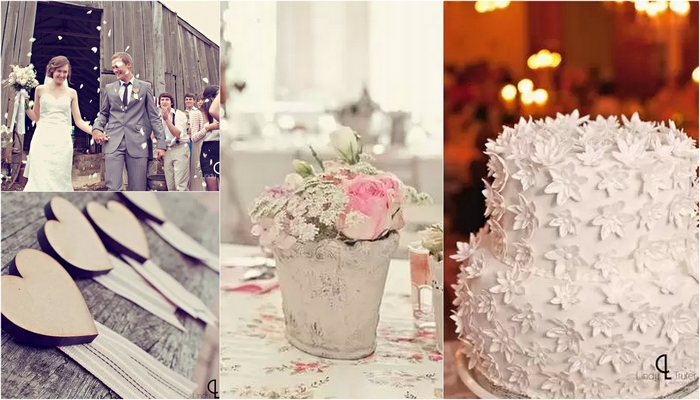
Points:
[[655, 21]]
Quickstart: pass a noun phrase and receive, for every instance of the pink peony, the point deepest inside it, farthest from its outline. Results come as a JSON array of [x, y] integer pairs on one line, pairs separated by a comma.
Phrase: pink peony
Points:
[[369, 197]]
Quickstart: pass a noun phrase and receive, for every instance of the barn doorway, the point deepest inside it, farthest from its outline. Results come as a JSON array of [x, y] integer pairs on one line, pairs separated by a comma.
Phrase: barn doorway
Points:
[[72, 31]]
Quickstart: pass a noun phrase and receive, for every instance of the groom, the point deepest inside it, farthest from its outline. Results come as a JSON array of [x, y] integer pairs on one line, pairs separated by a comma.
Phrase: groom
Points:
[[124, 125]]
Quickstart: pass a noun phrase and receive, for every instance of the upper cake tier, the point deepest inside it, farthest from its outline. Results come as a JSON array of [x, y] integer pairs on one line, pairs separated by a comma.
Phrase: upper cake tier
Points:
[[568, 192]]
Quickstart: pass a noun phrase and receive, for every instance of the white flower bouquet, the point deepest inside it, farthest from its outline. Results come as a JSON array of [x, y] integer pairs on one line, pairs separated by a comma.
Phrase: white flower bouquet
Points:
[[6, 135], [348, 199], [22, 78]]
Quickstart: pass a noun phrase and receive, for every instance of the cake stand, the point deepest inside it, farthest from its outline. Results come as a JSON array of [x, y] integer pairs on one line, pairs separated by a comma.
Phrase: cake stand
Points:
[[687, 392]]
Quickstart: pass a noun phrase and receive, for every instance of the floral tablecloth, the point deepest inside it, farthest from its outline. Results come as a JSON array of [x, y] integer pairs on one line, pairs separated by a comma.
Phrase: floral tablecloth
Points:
[[258, 362]]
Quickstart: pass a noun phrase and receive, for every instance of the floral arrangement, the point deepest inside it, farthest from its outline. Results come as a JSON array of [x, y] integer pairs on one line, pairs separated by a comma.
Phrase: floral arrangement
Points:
[[431, 239], [22, 78], [348, 199], [6, 135]]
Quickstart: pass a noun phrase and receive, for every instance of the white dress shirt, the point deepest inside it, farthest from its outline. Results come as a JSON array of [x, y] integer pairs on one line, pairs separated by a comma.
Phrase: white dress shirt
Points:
[[180, 123], [121, 90]]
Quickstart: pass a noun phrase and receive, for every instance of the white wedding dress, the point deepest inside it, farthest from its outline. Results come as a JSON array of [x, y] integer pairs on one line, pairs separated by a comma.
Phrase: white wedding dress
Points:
[[51, 151]]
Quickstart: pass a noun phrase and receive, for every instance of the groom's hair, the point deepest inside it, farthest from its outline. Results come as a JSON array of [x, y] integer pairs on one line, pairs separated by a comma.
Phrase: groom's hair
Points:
[[125, 57]]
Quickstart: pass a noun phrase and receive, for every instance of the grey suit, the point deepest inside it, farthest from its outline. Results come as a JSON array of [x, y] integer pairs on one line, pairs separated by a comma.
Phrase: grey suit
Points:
[[129, 130]]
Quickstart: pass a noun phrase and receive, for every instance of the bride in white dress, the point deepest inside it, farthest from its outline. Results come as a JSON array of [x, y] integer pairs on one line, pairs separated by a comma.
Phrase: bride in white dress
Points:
[[51, 151]]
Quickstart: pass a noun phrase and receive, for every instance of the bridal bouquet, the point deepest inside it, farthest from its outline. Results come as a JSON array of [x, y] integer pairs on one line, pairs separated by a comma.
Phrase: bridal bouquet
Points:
[[6, 135], [348, 199], [22, 78]]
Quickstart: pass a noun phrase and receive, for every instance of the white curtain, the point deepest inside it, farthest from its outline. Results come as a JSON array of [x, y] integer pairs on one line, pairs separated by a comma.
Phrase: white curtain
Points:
[[323, 53]]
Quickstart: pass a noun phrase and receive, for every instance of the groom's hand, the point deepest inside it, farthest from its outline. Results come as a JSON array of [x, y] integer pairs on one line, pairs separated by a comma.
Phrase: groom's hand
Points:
[[160, 153], [98, 136]]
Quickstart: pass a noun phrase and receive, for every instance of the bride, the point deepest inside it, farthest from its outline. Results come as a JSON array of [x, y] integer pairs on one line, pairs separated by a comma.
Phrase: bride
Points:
[[51, 151]]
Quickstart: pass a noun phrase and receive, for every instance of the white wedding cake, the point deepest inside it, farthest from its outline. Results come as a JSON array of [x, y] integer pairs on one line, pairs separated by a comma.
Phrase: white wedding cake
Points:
[[586, 272]]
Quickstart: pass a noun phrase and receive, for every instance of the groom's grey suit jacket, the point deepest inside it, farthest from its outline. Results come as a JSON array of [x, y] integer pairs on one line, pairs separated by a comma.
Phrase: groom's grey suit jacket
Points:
[[134, 123]]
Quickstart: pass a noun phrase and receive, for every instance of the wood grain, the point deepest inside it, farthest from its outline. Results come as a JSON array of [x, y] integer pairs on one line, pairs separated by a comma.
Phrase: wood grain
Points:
[[48, 373]]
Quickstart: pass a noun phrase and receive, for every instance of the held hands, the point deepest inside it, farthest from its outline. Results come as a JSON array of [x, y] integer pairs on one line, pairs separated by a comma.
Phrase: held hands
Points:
[[99, 137], [160, 153]]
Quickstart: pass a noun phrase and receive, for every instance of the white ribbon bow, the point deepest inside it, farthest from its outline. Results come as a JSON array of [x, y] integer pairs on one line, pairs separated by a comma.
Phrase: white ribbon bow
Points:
[[18, 114]]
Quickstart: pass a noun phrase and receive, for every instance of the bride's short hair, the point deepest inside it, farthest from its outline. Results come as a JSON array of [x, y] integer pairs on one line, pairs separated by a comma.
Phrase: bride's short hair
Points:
[[125, 57], [56, 63]]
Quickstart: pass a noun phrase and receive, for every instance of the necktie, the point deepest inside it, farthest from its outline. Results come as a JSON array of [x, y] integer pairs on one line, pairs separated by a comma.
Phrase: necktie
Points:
[[125, 98]]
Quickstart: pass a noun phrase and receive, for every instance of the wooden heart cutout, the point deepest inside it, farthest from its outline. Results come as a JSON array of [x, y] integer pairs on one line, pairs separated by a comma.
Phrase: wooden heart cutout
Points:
[[69, 237], [119, 229], [145, 205], [42, 305]]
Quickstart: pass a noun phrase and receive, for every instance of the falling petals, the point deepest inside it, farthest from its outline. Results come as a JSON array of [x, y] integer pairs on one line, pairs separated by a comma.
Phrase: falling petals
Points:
[[143, 145], [32, 40], [206, 80], [89, 12], [81, 85], [127, 48], [60, 37], [94, 68], [99, 28], [109, 34], [94, 49], [29, 54]]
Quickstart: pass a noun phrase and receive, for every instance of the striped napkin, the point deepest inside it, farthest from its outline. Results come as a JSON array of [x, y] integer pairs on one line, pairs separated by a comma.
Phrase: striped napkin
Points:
[[126, 282], [127, 369]]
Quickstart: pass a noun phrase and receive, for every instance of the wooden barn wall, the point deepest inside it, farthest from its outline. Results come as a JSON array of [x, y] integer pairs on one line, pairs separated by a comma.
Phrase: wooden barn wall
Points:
[[17, 28], [166, 50]]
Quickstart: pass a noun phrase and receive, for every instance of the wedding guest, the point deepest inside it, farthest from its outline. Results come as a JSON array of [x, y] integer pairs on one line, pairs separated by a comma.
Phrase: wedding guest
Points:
[[196, 125], [209, 159], [177, 155]]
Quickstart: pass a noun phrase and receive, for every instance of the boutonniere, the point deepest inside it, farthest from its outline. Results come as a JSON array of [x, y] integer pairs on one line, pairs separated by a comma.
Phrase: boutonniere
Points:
[[135, 90]]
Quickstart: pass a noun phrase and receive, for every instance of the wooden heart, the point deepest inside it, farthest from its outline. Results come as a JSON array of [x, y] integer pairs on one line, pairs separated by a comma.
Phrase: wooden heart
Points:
[[72, 241], [145, 205], [42, 305], [119, 229]]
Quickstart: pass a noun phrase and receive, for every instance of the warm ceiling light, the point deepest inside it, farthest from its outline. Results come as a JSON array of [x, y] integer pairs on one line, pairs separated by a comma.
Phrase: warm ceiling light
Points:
[[680, 7], [525, 86], [540, 96], [696, 74], [509, 92], [527, 98]]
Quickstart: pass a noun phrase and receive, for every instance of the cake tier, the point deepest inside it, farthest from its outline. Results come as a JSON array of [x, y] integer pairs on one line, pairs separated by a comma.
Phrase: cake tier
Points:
[[546, 337]]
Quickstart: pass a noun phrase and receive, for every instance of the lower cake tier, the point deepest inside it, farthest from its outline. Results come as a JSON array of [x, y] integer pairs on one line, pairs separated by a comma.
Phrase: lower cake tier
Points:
[[532, 335]]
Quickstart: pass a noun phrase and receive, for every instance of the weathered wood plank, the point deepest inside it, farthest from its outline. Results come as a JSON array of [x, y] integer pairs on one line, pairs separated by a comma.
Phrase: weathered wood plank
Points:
[[106, 38], [47, 373], [158, 49], [147, 23], [27, 32]]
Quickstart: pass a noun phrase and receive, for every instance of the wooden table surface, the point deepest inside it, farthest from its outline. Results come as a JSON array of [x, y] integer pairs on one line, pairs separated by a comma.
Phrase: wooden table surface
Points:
[[29, 372]]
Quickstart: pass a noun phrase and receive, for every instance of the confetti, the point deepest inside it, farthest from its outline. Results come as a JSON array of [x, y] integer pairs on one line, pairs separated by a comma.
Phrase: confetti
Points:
[[104, 22], [94, 49], [98, 79], [204, 184], [137, 76], [60, 37], [142, 132], [5, 115], [89, 12], [92, 142], [90, 100], [32, 40], [109, 34], [143, 145], [99, 28], [127, 48], [29, 54], [204, 155], [119, 64], [211, 161], [98, 91], [81, 85], [206, 80], [94, 68]]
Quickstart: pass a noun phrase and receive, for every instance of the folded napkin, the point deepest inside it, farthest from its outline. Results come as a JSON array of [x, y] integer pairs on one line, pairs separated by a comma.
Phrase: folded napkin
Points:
[[232, 280]]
